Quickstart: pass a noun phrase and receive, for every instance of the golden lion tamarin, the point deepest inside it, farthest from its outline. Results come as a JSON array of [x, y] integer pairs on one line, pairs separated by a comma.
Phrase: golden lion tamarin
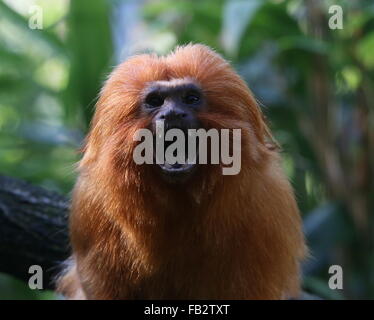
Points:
[[152, 232]]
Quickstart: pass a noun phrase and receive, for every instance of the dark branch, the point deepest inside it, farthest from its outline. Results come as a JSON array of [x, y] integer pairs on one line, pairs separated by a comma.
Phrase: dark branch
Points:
[[33, 229]]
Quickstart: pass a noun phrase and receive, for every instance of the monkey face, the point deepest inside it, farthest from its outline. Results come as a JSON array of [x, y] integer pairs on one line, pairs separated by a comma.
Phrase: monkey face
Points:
[[191, 88], [175, 104]]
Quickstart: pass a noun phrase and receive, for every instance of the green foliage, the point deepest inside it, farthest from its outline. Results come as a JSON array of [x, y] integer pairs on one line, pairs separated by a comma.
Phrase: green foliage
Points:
[[49, 82], [90, 47]]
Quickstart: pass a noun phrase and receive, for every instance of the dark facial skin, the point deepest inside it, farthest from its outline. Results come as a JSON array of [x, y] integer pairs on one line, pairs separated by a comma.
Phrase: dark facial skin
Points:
[[177, 103]]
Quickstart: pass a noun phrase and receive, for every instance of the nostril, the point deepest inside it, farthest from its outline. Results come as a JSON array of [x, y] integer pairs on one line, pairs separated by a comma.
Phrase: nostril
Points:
[[172, 115]]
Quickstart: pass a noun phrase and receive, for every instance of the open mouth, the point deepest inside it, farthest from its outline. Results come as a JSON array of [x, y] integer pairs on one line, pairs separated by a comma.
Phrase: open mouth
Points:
[[177, 173], [177, 167], [171, 165]]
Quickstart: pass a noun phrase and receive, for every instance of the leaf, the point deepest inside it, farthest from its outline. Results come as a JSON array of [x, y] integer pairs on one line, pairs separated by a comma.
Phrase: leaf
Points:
[[303, 42], [46, 36], [237, 14], [365, 50], [90, 49]]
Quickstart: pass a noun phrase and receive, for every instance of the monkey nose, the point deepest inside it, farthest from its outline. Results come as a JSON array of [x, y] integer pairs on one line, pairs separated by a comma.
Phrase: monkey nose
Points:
[[172, 114]]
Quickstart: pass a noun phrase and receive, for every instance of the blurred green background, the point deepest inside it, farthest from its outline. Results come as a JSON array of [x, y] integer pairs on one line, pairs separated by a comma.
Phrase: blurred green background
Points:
[[315, 84]]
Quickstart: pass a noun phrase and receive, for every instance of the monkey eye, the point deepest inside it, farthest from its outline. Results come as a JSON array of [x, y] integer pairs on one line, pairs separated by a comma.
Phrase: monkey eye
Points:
[[191, 98], [154, 100]]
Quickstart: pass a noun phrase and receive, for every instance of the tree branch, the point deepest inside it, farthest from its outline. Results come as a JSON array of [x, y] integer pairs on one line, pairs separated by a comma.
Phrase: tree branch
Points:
[[33, 229]]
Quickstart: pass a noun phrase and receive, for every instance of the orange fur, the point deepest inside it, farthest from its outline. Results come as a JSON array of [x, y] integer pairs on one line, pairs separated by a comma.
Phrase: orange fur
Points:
[[214, 237]]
